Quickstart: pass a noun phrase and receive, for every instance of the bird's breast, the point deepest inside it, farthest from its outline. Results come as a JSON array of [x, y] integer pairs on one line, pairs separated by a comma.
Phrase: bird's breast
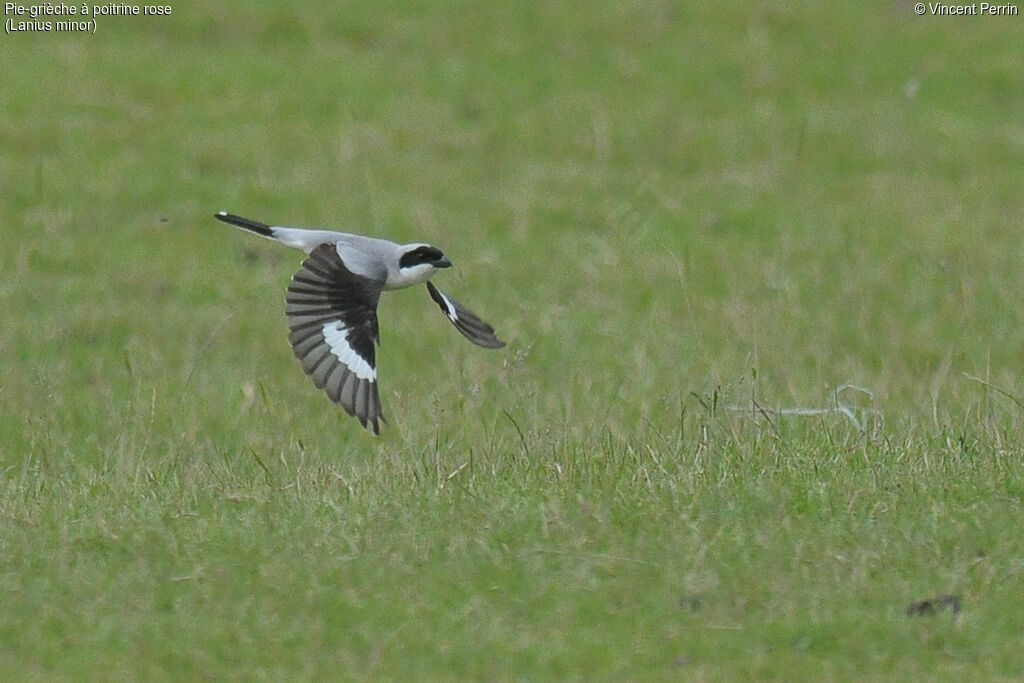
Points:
[[407, 277]]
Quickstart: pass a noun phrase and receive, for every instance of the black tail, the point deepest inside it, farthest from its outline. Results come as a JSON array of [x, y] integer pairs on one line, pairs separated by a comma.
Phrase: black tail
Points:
[[255, 226]]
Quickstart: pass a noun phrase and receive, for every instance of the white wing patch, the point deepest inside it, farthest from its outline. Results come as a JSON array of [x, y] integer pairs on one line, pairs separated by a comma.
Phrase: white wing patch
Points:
[[449, 307], [335, 336]]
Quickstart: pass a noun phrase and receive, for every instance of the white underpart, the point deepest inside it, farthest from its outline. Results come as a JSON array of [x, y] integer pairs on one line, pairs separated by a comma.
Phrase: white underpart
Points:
[[407, 277], [334, 335], [452, 315]]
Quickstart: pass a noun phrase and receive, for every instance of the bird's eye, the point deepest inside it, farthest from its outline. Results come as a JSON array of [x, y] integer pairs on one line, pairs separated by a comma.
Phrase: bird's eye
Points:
[[424, 254]]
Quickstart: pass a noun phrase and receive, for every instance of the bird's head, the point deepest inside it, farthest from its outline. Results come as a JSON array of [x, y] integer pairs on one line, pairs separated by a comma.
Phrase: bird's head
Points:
[[418, 262]]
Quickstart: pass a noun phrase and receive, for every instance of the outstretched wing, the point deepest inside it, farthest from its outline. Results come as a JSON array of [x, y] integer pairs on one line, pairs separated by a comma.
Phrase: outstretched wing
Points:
[[472, 328], [332, 318]]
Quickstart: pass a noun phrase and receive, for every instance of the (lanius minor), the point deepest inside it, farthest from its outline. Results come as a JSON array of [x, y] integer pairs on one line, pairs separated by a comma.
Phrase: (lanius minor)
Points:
[[332, 307]]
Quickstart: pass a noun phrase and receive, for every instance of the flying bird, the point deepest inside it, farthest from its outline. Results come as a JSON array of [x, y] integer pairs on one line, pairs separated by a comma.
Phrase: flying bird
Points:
[[331, 307]]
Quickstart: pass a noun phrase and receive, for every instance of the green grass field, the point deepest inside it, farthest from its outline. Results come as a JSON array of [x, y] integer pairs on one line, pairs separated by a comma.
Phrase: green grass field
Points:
[[760, 271]]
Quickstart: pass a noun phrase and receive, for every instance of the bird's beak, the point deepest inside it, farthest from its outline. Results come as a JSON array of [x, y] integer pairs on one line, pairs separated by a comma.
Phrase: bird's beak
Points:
[[443, 262]]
